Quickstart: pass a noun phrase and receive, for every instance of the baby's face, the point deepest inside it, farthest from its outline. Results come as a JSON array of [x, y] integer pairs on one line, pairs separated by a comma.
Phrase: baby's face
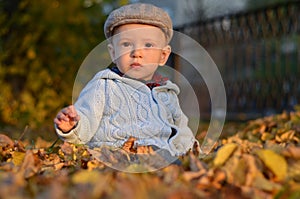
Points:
[[138, 50]]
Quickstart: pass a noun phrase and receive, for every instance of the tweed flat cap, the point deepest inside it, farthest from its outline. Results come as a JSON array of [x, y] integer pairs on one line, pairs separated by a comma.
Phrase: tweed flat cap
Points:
[[139, 13]]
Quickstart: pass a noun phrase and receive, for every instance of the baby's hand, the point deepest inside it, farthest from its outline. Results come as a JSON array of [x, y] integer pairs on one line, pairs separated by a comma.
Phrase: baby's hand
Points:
[[67, 118]]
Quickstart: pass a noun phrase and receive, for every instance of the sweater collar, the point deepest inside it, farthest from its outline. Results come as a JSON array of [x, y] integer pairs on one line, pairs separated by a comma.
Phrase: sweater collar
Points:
[[157, 79]]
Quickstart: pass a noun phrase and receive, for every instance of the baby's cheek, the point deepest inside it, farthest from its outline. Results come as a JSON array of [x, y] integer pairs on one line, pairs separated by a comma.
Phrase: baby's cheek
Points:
[[124, 52]]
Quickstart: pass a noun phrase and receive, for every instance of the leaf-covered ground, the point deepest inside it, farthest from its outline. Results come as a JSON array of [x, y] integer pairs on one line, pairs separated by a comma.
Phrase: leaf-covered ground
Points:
[[259, 160]]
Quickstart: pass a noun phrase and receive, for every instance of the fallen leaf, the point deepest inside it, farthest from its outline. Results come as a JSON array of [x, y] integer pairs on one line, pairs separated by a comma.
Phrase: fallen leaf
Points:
[[224, 153], [190, 175], [195, 164], [67, 148], [87, 177], [41, 143], [51, 159], [267, 136], [292, 152], [238, 172], [294, 170], [93, 164], [219, 178], [30, 165], [275, 162], [5, 141], [287, 136], [252, 169], [17, 158]]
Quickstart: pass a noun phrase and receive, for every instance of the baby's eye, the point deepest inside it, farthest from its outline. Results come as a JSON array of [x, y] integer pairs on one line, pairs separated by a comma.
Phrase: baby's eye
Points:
[[148, 45], [126, 44]]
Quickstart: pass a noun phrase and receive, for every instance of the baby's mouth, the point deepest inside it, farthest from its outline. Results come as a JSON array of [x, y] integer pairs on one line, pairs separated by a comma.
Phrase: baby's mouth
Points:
[[135, 65]]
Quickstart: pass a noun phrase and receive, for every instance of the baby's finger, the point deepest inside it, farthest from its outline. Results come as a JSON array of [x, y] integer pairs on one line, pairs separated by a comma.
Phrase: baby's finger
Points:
[[62, 117], [76, 118], [70, 111], [57, 121], [66, 111]]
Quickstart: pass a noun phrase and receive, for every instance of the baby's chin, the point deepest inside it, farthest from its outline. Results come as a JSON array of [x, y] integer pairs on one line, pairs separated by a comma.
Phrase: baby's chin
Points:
[[139, 78], [137, 75]]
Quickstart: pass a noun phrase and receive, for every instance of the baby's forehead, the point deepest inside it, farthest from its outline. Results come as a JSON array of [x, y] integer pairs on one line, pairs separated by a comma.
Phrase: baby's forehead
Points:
[[139, 31], [137, 28]]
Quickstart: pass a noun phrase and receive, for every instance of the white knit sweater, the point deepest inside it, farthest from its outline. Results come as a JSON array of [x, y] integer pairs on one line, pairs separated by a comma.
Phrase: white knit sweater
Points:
[[113, 108]]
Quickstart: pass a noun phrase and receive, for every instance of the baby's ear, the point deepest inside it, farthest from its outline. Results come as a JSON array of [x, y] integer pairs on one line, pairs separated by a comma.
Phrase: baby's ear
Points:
[[166, 51], [111, 51]]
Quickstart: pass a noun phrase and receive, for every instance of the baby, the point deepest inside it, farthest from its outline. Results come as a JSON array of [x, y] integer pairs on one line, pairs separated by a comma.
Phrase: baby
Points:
[[131, 102]]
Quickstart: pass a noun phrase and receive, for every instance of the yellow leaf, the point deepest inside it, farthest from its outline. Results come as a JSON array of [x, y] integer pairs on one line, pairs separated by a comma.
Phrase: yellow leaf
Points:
[[18, 157], [275, 162], [86, 177], [137, 168], [224, 153]]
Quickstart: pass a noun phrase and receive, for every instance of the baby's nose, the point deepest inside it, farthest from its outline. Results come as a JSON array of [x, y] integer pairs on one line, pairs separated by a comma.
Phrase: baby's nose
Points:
[[137, 52]]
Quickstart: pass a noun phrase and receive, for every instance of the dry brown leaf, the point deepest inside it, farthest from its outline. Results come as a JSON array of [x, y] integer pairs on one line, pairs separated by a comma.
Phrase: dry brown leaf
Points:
[[93, 164], [195, 164], [190, 175], [5, 141], [41, 143], [267, 136], [219, 179], [294, 170], [51, 159], [128, 146], [204, 182], [287, 136], [252, 168], [239, 172], [67, 148], [292, 152], [263, 128], [58, 166], [30, 166]]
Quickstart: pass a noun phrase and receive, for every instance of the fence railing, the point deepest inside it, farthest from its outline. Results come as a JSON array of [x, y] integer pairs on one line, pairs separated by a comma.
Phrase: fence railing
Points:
[[258, 55]]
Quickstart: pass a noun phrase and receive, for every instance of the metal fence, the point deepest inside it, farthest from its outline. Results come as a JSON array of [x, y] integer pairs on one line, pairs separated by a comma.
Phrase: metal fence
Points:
[[258, 55]]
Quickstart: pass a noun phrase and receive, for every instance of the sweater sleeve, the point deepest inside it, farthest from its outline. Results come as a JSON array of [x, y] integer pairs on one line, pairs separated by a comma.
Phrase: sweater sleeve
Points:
[[89, 105], [184, 139]]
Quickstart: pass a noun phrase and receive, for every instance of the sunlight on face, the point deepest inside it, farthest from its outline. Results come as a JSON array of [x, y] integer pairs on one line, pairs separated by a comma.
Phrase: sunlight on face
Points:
[[138, 50]]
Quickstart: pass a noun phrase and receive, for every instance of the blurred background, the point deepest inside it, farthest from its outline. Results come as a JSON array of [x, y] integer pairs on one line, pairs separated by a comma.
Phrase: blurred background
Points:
[[254, 43]]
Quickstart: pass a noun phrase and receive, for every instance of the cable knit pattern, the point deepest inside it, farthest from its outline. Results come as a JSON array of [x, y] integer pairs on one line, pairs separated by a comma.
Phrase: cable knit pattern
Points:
[[113, 108]]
